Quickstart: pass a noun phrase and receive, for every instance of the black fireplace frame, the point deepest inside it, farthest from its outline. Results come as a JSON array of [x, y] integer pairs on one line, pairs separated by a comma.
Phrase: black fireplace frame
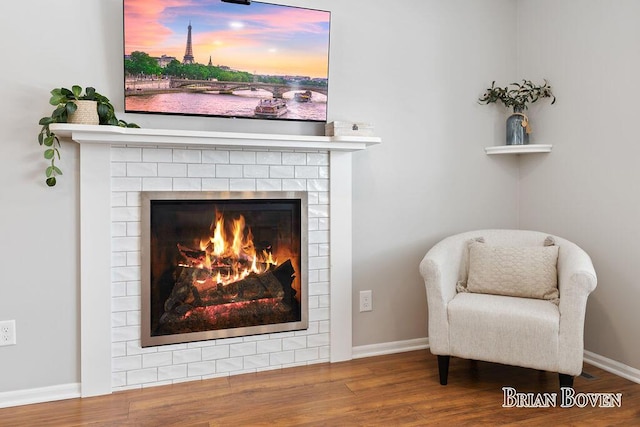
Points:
[[147, 197]]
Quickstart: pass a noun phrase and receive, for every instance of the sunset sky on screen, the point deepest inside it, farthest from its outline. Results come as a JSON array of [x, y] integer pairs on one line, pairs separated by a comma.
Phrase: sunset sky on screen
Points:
[[260, 38]]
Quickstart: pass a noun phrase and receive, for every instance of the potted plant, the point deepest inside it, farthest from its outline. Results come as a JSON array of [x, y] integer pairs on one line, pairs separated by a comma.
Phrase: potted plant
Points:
[[517, 96], [74, 106]]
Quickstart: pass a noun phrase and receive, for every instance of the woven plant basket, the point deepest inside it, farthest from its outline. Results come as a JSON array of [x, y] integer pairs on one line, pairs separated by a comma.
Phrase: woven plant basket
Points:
[[86, 114]]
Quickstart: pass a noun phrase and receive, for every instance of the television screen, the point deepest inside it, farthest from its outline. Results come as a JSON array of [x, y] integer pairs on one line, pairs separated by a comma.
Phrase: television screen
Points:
[[213, 58]]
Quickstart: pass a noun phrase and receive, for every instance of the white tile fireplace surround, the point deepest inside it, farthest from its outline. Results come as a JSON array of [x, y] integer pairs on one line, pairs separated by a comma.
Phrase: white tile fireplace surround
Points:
[[116, 164]]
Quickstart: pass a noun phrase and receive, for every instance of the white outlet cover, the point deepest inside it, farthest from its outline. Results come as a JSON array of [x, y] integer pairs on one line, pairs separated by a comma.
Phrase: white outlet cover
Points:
[[7, 332]]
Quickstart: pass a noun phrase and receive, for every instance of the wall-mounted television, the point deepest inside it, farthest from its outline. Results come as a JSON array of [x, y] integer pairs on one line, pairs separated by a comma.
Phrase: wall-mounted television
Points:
[[214, 58]]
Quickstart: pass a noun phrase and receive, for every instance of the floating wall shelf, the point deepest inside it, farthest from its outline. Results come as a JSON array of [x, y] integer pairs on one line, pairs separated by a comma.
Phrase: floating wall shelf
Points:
[[519, 149]]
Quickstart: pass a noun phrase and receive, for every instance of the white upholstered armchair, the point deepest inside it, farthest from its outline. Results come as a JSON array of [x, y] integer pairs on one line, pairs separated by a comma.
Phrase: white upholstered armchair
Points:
[[491, 297]]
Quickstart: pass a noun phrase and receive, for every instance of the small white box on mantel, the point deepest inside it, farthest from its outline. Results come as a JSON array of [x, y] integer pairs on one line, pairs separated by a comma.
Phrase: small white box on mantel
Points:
[[342, 128]]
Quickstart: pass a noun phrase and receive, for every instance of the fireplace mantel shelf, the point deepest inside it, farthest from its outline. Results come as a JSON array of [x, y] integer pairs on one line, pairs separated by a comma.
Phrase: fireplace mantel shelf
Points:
[[115, 135]]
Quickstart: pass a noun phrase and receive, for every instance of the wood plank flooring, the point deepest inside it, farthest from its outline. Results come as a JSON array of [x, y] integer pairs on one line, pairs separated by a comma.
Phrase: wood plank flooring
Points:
[[393, 390]]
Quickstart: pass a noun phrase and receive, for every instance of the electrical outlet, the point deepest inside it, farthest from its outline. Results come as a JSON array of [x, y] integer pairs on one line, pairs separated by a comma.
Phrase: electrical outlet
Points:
[[366, 301], [7, 332]]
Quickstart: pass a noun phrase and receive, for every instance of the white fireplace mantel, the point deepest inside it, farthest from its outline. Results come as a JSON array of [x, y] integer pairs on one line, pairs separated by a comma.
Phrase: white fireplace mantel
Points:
[[95, 229]]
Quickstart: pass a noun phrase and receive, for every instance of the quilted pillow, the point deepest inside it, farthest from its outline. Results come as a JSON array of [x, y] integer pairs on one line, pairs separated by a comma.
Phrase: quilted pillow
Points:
[[528, 271]]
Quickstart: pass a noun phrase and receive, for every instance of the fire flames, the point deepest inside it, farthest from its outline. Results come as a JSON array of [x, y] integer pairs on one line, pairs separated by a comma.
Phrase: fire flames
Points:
[[228, 254]]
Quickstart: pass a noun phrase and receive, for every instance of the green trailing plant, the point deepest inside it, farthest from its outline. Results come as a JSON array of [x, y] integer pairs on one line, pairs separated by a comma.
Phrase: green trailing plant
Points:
[[64, 101], [517, 95]]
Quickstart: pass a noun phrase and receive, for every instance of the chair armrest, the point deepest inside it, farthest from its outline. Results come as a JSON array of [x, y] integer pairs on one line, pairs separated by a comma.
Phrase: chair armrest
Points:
[[576, 280], [440, 270]]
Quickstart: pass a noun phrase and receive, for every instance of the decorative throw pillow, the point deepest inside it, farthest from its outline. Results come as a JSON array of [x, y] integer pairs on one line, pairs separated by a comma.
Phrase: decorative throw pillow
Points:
[[526, 271]]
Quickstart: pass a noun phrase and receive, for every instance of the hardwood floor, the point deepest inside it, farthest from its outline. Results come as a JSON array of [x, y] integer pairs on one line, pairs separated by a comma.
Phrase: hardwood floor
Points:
[[400, 389]]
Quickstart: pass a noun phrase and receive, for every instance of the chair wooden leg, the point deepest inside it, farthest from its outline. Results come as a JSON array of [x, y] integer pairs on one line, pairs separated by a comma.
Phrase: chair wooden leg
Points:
[[443, 369], [565, 380]]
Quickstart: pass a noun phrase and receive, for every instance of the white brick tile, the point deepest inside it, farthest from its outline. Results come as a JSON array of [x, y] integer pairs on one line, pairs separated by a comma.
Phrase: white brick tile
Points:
[[125, 303], [215, 184], [157, 384], [294, 343], [324, 326], [313, 276], [126, 184], [318, 262], [215, 352], [318, 236], [312, 197], [118, 169], [313, 250], [294, 185], [242, 349], [312, 224], [187, 184], [269, 346], [294, 159], [324, 249], [323, 198], [118, 349], [201, 368], [242, 184], [256, 171], [123, 274], [133, 258], [318, 314], [282, 358], [125, 333], [318, 211], [118, 199], [268, 158], [133, 199], [318, 159], [156, 184], [118, 289], [215, 156], [119, 244], [323, 223], [187, 356], [157, 359], [318, 340], [242, 157], [155, 155], [324, 301], [133, 287], [323, 275], [125, 154], [187, 156], [318, 184], [172, 372], [306, 355], [229, 365], [133, 347], [306, 172], [282, 171], [312, 329], [133, 229], [133, 318], [201, 171], [142, 169], [118, 379], [176, 170], [118, 319], [323, 172], [318, 288], [142, 376], [201, 344], [313, 302], [125, 214], [269, 185], [118, 229], [256, 361], [128, 363], [228, 171]]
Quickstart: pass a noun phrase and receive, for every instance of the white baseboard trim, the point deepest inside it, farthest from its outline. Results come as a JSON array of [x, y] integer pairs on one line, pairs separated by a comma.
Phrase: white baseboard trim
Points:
[[609, 365], [39, 395], [389, 348]]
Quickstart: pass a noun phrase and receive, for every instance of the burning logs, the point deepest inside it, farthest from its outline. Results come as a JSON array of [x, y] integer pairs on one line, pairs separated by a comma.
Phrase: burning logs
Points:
[[198, 297]]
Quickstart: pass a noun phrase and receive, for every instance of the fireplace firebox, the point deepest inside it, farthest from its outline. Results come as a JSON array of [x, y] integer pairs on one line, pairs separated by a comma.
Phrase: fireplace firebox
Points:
[[222, 264]]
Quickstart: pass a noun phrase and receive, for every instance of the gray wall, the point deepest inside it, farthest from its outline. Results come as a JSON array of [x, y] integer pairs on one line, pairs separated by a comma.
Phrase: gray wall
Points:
[[587, 189], [412, 68]]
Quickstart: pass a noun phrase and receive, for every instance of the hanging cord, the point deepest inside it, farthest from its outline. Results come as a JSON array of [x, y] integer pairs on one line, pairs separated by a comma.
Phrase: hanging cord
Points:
[[525, 122]]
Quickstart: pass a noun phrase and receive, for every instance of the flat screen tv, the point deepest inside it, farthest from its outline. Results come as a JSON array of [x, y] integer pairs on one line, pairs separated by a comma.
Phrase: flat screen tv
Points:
[[214, 58]]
